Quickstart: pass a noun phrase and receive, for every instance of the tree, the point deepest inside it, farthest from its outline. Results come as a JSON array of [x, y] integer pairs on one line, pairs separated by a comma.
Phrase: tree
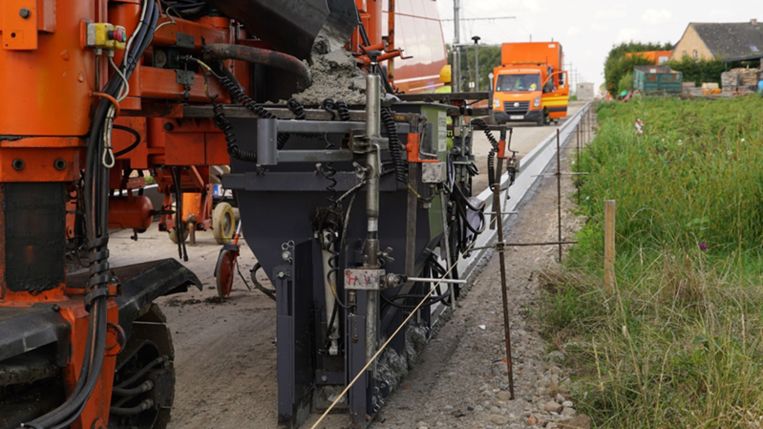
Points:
[[490, 58], [618, 64]]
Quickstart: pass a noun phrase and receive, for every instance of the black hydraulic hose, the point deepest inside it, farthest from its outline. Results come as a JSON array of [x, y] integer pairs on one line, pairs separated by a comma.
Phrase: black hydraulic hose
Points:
[[133, 145], [266, 57], [161, 360], [144, 387], [395, 147], [133, 411], [259, 286]]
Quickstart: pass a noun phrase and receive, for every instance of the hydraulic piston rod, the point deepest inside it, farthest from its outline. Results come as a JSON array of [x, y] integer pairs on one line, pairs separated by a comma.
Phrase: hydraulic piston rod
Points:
[[373, 161]]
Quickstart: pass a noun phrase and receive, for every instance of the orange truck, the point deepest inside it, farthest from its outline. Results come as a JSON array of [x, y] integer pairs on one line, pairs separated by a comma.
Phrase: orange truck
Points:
[[531, 84]]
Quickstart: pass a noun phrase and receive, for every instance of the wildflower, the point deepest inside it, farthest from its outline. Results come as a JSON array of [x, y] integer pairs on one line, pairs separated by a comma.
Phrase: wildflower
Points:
[[703, 246]]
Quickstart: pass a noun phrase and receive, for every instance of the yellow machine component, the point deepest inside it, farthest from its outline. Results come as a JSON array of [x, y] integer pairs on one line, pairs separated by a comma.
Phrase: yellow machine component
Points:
[[446, 74], [102, 35]]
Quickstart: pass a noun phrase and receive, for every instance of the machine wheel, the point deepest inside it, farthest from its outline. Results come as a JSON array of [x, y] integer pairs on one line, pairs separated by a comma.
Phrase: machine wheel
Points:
[[225, 271], [174, 234], [223, 223], [144, 382]]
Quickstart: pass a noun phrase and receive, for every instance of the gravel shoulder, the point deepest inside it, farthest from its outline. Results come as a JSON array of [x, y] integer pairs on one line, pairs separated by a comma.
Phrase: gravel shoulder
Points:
[[461, 381]]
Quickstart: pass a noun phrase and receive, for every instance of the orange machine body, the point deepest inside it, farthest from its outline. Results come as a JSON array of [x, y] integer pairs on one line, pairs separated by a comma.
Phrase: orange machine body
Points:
[[50, 83]]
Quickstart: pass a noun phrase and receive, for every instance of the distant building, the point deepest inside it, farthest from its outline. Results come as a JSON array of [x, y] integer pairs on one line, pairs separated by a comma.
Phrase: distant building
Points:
[[584, 91], [656, 57], [738, 41]]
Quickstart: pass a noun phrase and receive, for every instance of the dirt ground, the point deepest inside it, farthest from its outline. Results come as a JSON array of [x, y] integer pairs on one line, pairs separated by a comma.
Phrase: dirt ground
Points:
[[224, 352], [226, 356]]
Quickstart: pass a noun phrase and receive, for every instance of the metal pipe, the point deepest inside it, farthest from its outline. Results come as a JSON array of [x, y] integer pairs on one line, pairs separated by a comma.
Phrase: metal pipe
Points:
[[391, 15], [373, 133], [373, 165], [443, 281], [456, 69], [456, 66]]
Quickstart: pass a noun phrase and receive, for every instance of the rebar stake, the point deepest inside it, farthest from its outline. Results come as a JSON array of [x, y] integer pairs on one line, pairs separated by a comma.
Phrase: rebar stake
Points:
[[559, 191], [502, 260]]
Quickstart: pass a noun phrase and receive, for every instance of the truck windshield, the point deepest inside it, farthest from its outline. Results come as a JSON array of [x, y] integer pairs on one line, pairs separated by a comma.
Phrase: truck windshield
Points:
[[518, 82]]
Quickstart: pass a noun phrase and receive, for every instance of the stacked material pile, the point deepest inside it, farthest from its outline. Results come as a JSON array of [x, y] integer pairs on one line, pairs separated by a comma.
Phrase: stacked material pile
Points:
[[740, 81]]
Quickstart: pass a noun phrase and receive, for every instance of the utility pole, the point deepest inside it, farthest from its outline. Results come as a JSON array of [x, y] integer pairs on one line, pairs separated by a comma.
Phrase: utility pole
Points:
[[477, 62], [456, 66]]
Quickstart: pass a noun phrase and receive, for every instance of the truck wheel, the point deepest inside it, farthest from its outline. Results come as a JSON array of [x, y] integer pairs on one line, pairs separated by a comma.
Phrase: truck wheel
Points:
[[144, 382], [223, 223]]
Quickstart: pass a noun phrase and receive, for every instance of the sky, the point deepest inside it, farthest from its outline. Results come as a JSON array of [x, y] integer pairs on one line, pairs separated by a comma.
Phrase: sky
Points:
[[587, 29]]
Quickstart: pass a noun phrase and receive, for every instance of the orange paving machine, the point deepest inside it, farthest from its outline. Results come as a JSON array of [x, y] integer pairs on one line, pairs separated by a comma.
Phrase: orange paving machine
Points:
[[96, 102]]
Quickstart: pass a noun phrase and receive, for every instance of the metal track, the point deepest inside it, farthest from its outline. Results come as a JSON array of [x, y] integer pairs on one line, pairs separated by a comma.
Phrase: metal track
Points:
[[531, 168]]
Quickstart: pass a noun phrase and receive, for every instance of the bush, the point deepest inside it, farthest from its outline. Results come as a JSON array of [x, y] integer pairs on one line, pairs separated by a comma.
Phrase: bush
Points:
[[699, 71]]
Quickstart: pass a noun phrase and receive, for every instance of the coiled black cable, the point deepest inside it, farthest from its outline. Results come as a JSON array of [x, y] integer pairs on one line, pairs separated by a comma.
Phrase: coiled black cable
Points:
[[329, 172], [231, 141], [395, 147], [329, 105], [492, 154], [229, 82], [343, 110], [297, 109]]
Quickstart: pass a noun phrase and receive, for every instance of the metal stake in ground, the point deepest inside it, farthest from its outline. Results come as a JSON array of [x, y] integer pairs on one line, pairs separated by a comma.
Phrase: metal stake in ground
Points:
[[577, 162], [502, 260], [559, 190]]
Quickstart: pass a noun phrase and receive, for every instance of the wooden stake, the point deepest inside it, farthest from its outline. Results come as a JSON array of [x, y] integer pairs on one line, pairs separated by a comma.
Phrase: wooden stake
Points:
[[610, 208]]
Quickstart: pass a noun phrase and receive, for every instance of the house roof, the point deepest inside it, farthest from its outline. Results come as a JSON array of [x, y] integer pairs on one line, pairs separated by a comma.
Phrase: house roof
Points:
[[732, 41]]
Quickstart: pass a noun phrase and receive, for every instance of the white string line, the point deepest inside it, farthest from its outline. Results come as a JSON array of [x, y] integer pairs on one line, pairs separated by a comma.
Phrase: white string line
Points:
[[381, 349]]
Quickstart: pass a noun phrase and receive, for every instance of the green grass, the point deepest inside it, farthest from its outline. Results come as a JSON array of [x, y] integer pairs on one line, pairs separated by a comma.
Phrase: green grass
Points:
[[679, 344]]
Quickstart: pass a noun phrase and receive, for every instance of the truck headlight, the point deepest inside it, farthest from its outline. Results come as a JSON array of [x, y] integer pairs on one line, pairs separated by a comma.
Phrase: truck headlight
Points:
[[536, 102]]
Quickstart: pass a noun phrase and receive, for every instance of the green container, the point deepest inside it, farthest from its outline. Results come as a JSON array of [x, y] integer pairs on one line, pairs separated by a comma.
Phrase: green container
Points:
[[657, 80]]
